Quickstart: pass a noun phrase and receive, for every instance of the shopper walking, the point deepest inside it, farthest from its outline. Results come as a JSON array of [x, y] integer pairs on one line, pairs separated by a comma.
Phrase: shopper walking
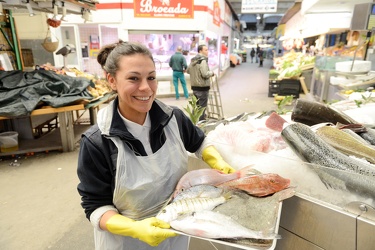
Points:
[[131, 160], [257, 54], [260, 55], [200, 77], [179, 65], [252, 54]]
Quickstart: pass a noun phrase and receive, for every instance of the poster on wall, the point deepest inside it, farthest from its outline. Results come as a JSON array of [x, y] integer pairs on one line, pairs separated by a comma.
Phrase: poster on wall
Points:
[[164, 8], [258, 6], [216, 15]]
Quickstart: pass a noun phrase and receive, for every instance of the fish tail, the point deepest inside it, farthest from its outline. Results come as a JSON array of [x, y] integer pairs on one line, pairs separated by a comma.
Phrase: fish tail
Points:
[[245, 171]]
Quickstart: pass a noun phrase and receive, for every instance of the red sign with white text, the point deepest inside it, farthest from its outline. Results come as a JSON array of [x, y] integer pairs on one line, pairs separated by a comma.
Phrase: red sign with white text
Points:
[[164, 8]]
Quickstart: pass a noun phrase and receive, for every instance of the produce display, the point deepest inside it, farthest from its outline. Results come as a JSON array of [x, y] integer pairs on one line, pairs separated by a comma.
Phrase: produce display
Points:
[[341, 50], [100, 88], [292, 64]]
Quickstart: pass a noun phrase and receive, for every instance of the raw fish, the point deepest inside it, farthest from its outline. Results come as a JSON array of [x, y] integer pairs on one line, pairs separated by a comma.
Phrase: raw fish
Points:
[[275, 122], [213, 225], [369, 136], [311, 148], [346, 143], [199, 191], [208, 177], [313, 112], [258, 185], [173, 210]]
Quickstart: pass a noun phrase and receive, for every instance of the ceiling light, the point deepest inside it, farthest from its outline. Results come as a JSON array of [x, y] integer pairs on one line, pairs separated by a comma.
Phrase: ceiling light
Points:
[[86, 15], [63, 11], [55, 11], [258, 16], [30, 9]]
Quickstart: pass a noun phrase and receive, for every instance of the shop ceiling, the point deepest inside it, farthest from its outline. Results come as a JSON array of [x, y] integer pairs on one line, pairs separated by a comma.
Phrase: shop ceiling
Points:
[[49, 6], [287, 8]]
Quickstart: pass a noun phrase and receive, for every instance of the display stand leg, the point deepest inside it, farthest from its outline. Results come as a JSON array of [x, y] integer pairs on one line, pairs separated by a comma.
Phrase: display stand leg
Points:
[[66, 131]]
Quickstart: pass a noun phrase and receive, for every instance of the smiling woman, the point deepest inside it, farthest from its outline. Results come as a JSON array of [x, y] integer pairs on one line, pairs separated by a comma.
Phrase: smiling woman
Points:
[[131, 160]]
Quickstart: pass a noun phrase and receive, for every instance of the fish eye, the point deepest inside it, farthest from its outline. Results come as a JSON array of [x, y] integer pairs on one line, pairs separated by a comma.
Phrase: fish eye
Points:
[[272, 181]]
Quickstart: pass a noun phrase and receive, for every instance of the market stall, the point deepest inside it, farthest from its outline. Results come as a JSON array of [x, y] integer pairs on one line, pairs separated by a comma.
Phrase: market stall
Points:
[[333, 207], [32, 100]]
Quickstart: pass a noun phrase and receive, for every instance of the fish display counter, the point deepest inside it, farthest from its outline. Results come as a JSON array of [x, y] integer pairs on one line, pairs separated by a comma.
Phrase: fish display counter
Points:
[[333, 205], [319, 215]]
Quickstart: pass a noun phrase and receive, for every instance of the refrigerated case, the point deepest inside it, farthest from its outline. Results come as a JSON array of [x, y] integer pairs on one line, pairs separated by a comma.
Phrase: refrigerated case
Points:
[[324, 68], [322, 215]]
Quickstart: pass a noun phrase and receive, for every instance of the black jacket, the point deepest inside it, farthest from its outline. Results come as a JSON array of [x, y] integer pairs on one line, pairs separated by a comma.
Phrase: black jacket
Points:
[[98, 154]]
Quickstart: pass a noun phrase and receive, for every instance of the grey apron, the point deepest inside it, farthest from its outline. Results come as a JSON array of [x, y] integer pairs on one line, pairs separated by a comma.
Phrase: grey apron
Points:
[[143, 185]]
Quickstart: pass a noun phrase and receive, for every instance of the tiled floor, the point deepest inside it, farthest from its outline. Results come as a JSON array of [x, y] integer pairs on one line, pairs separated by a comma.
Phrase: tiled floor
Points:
[[243, 88]]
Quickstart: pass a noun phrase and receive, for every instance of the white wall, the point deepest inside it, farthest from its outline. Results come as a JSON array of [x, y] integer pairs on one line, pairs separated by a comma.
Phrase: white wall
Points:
[[28, 27]]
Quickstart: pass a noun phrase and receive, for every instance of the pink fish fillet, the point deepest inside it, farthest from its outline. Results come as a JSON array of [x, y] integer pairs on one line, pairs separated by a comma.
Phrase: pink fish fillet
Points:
[[275, 122], [208, 177], [258, 185]]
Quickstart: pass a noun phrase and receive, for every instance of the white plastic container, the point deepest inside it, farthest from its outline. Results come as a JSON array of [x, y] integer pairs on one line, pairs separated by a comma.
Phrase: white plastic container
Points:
[[358, 66], [8, 141]]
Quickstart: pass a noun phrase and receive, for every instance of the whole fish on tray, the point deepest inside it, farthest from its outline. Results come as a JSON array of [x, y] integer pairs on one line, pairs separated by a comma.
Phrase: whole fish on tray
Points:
[[208, 177], [180, 207], [258, 185], [346, 143], [213, 225], [199, 191]]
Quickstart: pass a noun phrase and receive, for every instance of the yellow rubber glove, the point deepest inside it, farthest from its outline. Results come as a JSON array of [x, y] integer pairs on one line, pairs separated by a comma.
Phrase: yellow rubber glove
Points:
[[215, 161], [151, 230]]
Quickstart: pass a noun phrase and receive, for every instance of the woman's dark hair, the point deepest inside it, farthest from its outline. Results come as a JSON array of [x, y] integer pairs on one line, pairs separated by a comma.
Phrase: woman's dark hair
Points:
[[110, 55]]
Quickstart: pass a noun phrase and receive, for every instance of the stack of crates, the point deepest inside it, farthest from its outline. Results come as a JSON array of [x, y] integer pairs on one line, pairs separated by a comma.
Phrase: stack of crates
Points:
[[284, 87]]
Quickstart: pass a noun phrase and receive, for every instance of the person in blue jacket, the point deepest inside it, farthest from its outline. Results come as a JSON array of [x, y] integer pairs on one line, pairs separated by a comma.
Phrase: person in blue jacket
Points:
[[131, 160]]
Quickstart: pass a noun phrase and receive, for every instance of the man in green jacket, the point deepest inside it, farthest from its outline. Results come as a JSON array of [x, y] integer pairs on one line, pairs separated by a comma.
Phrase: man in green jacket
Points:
[[179, 65], [200, 75]]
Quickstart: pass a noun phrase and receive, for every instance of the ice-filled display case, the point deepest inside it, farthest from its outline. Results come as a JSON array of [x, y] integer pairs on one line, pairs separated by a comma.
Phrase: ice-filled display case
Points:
[[331, 209]]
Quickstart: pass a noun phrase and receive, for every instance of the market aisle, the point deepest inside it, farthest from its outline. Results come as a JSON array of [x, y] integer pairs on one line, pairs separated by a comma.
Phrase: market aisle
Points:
[[40, 205], [244, 88]]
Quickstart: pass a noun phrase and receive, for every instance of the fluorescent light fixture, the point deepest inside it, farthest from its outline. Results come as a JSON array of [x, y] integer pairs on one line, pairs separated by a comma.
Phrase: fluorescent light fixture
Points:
[[30, 9]]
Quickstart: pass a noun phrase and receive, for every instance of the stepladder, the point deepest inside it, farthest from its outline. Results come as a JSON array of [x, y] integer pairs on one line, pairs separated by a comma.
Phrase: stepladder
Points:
[[214, 108]]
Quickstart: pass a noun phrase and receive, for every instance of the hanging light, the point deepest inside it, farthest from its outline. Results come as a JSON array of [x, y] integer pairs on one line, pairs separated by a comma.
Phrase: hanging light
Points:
[[63, 11], [258, 17], [86, 15], [55, 11], [29, 8]]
